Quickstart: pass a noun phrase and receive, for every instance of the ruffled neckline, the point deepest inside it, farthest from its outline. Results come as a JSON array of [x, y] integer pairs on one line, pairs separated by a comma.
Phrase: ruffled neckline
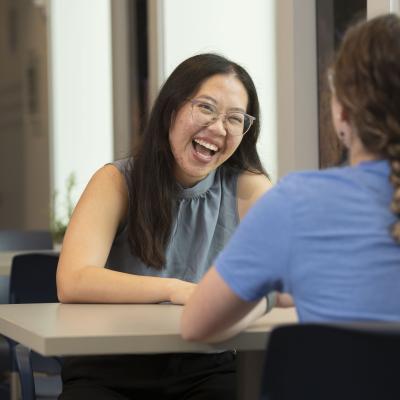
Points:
[[199, 188]]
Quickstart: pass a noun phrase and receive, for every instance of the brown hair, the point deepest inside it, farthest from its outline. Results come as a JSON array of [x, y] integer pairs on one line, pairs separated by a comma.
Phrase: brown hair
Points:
[[367, 84], [154, 190]]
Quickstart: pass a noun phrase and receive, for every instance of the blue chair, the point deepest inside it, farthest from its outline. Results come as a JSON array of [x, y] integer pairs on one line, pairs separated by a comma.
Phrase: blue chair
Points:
[[33, 280], [14, 240], [332, 362]]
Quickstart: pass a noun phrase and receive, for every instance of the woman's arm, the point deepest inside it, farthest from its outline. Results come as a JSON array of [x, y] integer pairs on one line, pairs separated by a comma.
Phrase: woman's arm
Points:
[[81, 276], [215, 312], [250, 188]]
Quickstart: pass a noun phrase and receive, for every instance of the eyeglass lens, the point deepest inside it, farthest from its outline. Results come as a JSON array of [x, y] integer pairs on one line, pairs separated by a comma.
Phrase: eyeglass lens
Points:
[[205, 114]]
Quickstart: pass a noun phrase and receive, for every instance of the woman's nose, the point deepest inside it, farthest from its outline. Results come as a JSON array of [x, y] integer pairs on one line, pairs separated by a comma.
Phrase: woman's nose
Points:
[[218, 125]]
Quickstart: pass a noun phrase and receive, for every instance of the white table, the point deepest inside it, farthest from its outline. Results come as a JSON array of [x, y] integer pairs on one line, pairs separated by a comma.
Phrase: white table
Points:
[[89, 329]]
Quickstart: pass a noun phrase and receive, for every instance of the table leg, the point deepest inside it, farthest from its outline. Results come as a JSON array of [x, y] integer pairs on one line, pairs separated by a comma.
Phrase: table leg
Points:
[[249, 369]]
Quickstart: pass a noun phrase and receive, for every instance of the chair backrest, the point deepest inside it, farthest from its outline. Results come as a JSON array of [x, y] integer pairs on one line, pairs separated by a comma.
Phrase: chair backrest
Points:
[[13, 240], [33, 278], [314, 362]]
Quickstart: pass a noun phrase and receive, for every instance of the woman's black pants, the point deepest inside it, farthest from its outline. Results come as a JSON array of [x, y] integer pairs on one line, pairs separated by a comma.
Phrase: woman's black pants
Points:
[[180, 376]]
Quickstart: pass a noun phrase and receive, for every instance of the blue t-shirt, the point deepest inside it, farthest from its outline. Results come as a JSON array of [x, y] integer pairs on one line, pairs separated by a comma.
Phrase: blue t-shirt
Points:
[[324, 237]]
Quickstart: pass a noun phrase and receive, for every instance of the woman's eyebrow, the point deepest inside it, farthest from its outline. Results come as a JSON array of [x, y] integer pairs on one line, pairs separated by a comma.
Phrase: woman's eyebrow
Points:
[[206, 97], [237, 109]]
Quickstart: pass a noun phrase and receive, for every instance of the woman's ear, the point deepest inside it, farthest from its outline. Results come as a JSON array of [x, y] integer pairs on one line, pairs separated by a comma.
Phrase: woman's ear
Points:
[[341, 121], [346, 132]]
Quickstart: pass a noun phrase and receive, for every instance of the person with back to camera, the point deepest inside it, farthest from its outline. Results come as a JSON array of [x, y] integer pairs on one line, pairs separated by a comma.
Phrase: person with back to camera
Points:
[[329, 238], [158, 219]]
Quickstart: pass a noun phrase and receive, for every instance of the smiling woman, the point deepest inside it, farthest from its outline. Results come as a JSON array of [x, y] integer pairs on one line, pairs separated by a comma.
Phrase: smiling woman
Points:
[[200, 140], [156, 220]]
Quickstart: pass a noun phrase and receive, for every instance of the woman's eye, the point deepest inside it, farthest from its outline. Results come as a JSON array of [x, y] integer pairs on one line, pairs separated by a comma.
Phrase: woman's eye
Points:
[[206, 108], [236, 119]]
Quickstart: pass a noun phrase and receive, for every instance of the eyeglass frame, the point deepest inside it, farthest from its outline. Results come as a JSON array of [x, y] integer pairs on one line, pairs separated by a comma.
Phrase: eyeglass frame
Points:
[[218, 115]]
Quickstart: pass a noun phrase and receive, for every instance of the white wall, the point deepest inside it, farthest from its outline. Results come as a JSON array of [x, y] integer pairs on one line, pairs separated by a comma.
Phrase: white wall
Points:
[[81, 88], [377, 7], [242, 31]]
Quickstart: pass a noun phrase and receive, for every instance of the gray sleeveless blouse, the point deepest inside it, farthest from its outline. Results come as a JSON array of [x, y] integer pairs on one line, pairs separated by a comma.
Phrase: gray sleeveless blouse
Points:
[[206, 218]]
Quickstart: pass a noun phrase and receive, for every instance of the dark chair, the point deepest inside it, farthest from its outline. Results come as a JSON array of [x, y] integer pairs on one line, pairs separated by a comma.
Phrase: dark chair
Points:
[[14, 240], [33, 280], [332, 362], [24, 365]]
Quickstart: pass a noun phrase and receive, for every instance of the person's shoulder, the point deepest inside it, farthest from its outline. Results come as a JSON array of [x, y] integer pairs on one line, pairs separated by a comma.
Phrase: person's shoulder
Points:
[[314, 183], [250, 187], [327, 175], [252, 184], [109, 177], [124, 165]]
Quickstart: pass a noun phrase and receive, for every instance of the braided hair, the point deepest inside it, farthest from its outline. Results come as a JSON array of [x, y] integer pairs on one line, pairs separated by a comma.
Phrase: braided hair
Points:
[[367, 84]]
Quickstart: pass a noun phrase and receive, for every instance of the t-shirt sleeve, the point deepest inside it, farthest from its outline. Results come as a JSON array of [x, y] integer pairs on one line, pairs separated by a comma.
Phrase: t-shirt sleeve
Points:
[[256, 259]]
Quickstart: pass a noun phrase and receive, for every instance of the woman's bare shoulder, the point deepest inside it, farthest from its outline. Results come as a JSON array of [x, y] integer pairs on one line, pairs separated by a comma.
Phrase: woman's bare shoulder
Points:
[[109, 177], [251, 187]]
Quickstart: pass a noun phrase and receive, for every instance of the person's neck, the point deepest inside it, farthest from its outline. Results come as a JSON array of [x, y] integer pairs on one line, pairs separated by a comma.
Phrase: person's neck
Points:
[[358, 153]]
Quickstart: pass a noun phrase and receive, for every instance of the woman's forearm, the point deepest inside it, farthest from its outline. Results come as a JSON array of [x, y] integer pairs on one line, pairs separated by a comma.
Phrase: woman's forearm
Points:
[[100, 285], [255, 313]]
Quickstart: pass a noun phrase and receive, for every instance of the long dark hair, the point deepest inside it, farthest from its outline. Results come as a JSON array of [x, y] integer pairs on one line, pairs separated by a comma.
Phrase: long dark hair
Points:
[[367, 83], [153, 185]]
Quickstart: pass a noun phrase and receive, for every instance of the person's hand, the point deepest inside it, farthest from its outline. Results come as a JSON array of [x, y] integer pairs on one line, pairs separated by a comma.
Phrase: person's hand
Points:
[[180, 291], [284, 300]]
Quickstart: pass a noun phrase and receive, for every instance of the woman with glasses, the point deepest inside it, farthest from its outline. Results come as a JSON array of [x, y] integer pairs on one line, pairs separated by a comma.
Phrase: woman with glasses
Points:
[[156, 220], [330, 238]]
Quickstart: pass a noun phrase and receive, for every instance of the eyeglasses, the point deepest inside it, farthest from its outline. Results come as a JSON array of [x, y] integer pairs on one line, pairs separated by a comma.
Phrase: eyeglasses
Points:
[[237, 123]]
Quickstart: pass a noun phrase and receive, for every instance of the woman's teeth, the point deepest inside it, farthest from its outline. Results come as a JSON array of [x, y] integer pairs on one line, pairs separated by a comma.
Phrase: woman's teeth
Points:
[[207, 145]]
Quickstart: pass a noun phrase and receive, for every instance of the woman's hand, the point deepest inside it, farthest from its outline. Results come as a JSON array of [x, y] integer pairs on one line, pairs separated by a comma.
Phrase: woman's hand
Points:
[[284, 300], [180, 291]]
